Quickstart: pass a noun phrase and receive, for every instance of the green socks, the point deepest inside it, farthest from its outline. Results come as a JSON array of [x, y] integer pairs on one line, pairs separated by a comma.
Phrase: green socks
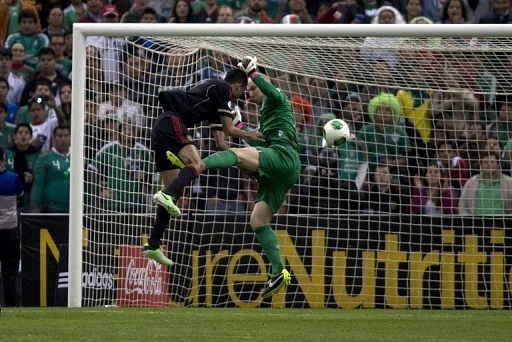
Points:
[[268, 241], [220, 160]]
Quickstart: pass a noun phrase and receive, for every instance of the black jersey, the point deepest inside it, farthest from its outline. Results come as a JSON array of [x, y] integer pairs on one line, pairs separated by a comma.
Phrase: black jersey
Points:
[[207, 101]]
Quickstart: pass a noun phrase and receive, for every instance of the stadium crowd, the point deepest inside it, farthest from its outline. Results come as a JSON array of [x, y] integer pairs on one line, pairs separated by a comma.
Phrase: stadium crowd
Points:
[[413, 152], [402, 157]]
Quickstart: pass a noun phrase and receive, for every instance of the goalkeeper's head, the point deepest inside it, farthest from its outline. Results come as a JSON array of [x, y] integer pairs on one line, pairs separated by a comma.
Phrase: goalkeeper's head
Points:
[[237, 80]]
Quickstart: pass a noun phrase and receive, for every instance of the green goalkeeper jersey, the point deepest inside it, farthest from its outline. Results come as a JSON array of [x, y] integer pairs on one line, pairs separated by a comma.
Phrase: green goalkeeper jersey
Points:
[[277, 121], [50, 191]]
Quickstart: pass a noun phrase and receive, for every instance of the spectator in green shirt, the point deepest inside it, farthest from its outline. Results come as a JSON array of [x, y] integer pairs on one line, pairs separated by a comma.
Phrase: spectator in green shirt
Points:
[[6, 129], [57, 44], [50, 192], [488, 193], [386, 136], [27, 36]]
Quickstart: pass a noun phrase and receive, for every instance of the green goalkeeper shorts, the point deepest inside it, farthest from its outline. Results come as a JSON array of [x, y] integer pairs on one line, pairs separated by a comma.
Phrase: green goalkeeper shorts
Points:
[[279, 169]]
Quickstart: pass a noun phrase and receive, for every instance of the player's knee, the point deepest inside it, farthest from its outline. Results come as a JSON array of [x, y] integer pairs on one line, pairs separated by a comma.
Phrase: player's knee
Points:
[[198, 166]]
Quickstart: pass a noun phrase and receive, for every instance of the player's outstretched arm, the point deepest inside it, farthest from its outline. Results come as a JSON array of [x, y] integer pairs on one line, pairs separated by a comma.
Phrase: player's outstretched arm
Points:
[[250, 67], [229, 129]]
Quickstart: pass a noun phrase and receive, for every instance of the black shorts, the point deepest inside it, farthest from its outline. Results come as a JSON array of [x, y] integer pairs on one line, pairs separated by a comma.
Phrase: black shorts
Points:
[[169, 134]]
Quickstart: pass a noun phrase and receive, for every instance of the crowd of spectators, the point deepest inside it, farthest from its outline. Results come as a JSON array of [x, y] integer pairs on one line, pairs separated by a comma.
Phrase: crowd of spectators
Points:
[[411, 151]]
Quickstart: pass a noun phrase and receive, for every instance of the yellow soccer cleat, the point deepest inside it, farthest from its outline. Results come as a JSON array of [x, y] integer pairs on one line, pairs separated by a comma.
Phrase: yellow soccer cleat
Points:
[[275, 282]]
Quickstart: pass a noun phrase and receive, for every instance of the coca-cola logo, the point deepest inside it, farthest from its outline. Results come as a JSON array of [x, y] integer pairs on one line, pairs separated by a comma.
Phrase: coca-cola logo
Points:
[[144, 280]]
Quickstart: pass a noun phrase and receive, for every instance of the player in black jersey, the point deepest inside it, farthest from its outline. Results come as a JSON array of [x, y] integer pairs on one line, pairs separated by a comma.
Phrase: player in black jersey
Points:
[[173, 146]]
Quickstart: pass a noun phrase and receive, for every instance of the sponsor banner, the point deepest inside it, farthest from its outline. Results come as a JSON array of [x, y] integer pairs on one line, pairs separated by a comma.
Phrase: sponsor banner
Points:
[[142, 281], [44, 259], [337, 262]]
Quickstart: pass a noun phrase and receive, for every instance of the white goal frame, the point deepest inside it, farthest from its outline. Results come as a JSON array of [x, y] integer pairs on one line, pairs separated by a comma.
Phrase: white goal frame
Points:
[[82, 31]]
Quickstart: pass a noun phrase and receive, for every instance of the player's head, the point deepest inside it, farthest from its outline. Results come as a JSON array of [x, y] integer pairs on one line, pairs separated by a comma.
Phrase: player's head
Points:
[[255, 94], [237, 80]]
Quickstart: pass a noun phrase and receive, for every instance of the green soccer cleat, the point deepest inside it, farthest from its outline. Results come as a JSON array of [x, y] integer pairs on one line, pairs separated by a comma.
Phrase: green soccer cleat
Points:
[[167, 202], [275, 282], [157, 255]]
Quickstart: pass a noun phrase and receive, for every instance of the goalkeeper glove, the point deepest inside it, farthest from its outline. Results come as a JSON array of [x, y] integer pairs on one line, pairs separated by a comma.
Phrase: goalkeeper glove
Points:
[[248, 65], [237, 118]]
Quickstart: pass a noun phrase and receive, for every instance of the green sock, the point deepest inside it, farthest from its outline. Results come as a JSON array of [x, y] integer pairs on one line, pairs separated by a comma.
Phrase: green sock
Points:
[[268, 241], [220, 160]]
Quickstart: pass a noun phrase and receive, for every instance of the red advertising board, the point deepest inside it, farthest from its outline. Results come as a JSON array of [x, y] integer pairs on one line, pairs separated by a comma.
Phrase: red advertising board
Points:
[[142, 281]]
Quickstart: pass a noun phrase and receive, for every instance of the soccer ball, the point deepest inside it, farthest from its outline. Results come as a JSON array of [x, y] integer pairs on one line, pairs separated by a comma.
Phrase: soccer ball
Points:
[[336, 132]]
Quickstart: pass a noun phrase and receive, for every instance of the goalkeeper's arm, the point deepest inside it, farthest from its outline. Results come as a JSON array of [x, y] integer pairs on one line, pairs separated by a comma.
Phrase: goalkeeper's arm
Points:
[[250, 67]]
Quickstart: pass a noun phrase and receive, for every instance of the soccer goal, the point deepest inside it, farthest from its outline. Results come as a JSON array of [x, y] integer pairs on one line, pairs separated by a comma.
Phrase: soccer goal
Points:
[[383, 221]]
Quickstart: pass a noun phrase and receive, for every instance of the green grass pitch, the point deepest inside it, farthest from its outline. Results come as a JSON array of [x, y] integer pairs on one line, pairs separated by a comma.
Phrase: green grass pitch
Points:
[[201, 324]]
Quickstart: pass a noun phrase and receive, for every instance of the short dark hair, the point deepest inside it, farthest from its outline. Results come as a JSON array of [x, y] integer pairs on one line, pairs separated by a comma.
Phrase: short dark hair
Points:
[[3, 106], [236, 76], [42, 81], [5, 52], [22, 124], [58, 34], [3, 79], [61, 127], [150, 10], [27, 13], [46, 51]]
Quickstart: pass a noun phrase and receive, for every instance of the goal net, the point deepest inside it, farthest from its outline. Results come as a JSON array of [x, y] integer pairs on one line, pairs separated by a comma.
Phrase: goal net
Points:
[[411, 212]]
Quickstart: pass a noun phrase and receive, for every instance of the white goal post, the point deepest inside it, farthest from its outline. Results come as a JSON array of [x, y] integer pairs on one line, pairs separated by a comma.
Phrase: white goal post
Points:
[[253, 34]]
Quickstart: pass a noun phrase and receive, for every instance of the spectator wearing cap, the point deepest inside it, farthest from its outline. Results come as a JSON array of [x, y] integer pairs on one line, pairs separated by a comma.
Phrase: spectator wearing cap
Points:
[[225, 15], [16, 83], [255, 10], [134, 14], [94, 12], [10, 106], [9, 14], [6, 128], [42, 126], [488, 193], [11, 194], [28, 36], [19, 67], [76, 10], [207, 13]]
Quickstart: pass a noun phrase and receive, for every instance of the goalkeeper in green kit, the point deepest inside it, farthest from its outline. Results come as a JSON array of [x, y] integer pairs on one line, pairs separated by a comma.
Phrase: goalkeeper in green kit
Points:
[[274, 161]]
